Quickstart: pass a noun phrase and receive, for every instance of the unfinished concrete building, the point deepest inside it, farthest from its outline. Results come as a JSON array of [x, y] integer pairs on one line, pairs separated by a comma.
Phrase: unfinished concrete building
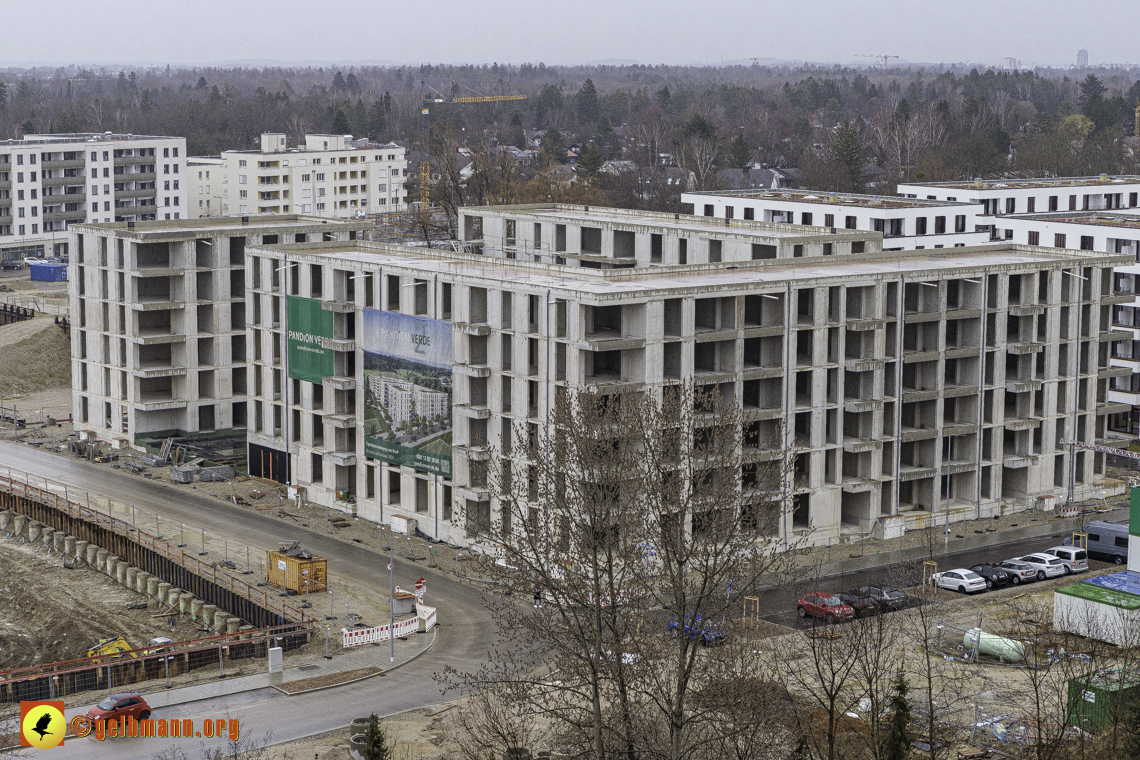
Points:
[[898, 380], [159, 322]]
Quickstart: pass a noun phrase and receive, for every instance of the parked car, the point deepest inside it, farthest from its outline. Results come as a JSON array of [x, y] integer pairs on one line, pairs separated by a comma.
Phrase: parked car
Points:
[[858, 601], [961, 580], [696, 629], [1018, 571], [884, 598], [1075, 559], [994, 575], [829, 607], [1046, 565], [115, 706], [1107, 541]]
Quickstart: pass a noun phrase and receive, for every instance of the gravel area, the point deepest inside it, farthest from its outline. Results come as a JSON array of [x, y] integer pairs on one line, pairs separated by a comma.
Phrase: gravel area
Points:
[[332, 679]]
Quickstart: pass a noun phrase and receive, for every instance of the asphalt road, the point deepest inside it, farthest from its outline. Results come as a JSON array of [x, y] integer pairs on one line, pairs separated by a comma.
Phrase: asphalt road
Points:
[[466, 633]]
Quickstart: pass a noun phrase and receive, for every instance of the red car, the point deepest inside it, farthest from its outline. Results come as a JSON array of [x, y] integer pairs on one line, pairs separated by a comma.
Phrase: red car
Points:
[[823, 605], [116, 705]]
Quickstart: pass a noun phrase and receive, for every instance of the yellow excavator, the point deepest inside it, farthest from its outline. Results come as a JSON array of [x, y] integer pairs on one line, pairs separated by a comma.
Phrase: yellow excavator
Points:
[[117, 645]]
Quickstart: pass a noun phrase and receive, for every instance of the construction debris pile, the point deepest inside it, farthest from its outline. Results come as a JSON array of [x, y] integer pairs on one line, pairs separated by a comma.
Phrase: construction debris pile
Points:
[[34, 355]]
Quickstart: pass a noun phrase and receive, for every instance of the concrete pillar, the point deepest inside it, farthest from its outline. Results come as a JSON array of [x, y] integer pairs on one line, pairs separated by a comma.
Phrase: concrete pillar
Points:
[[132, 575], [233, 625], [101, 559], [163, 593], [69, 543], [58, 539], [111, 565], [18, 525], [184, 603], [140, 582], [152, 585], [5, 519], [196, 606], [243, 630], [34, 530], [46, 535], [121, 572], [80, 552], [208, 613], [220, 618], [172, 597]]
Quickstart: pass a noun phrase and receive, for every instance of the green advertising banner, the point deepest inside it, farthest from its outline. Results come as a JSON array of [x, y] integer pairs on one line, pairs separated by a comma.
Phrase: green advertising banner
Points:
[[309, 326], [407, 391]]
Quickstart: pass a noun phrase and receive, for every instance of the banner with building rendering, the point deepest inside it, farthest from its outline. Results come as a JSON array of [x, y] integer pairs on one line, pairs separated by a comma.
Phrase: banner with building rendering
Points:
[[309, 327], [407, 391]]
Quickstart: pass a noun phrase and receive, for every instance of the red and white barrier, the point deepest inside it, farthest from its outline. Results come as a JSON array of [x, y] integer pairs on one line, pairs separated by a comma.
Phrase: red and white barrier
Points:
[[379, 633], [427, 616]]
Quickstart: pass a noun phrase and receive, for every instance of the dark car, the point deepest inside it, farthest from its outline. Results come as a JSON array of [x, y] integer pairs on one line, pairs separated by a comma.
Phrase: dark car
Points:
[[995, 576], [115, 706], [862, 603], [884, 597], [697, 629], [823, 605]]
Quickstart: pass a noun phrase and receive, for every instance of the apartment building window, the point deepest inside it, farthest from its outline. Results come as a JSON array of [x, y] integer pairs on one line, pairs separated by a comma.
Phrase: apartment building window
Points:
[[750, 214], [850, 223], [241, 179], [708, 209], [829, 220], [1132, 198], [166, 152], [1072, 203], [320, 176], [166, 168], [682, 251], [1052, 203], [1031, 205], [960, 223], [1034, 238], [805, 218], [920, 225], [1058, 240], [241, 164], [939, 225], [1010, 205], [1086, 242]]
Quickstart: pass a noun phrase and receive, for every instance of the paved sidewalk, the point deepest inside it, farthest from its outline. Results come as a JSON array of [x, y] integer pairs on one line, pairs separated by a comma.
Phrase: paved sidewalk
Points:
[[369, 655]]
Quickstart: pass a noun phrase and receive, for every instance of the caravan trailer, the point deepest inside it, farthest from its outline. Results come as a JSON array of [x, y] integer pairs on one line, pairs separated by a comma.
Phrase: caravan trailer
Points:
[[1108, 541]]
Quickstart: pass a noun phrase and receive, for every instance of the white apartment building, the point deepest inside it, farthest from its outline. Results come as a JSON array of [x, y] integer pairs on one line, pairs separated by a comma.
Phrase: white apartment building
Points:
[[1004, 197], [893, 379], [330, 176], [906, 224], [49, 182], [207, 188], [159, 317]]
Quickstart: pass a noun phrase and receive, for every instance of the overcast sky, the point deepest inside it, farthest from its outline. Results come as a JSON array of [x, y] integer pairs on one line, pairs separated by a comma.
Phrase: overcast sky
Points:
[[1045, 32]]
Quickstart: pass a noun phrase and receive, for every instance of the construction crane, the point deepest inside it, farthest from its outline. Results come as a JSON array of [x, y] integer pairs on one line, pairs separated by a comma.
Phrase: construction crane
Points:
[[1136, 127], [884, 58], [425, 122], [756, 61]]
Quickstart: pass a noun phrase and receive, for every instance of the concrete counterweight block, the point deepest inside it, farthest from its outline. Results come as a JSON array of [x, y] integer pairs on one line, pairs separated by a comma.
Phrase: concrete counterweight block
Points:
[[233, 625], [111, 565], [172, 597], [184, 602], [220, 619], [209, 611], [69, 543], [121, 573], [58, 540], [35, 529], [18, 525], [244, 631], [101, 559], [140, 582], [90, 554], [80, 552], [196, 606], [152, 585], [132, 575], [5, 519], [46, 534], [163, 593]]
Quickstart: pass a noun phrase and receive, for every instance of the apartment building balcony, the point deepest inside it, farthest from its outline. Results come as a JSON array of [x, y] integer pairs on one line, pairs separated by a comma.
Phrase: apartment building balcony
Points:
[[908, 472], [910, 434], [154, 339], [471, 370], [926, 394], [475, 453], [961, 352], [166, 371], [771, 413], [340, 344], [1114, 335], [863, 325], [604, 341], [341, 421], [1018, 461], [959, 428], [764, 332], [916, 317], [863, 365], [6, 184], [852, 484], [1021, 423], [860, 445], [1025, 310], [142, 192], [910, 357], [1119, 298], [70, 163], [860, 404], [951, 391], [341, 458], [1023, 386], [1112, 407], [63, 181], [156, 305], [958, 466], [1118, 371], [473, 411], [761, 373], [1020, 348], [468, 328], [60, 216], [340, 382], [5, 166], [159, 405], [136, 178], [132, 160], [338, 307], [963, 314]]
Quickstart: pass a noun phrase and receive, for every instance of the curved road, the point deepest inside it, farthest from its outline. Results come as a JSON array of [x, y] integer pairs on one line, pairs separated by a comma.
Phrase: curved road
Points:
[[465, 635]]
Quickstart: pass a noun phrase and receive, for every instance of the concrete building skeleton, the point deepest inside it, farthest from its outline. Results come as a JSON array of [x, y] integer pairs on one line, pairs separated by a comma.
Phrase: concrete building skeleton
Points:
[[905, 223], [896, 378], [159, 318]]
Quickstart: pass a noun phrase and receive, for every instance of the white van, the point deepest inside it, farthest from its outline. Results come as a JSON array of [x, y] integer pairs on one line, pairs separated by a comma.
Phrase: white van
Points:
[[1075, 559]]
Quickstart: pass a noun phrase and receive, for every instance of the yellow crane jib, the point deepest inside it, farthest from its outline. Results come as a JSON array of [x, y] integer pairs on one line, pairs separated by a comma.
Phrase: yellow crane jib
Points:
[[488, 98]]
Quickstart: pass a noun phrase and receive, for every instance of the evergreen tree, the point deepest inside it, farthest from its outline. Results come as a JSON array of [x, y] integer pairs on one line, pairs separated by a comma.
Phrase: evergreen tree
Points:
[[586, 101], [339, 123], [375, 745], [739, 154], [554, 146], [338, 83], [201, 83], [352, 83], [121, 83], [606, 139], [589, 162], [215, 96], [663, 97], [895, 744], [377, 120], [3, 97], [846, 149], [699, 126]]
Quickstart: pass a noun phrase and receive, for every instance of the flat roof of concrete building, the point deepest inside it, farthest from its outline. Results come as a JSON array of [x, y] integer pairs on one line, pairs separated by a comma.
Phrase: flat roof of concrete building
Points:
[[930, 263], [1092, 218], [1032, 182], [855, 200], [182, 228], [78, 137], [681, 223]]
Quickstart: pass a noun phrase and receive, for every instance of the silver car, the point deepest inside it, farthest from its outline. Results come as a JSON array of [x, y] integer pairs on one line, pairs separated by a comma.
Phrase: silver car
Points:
[[1046, 565], [1018, 571], [1075, 559]]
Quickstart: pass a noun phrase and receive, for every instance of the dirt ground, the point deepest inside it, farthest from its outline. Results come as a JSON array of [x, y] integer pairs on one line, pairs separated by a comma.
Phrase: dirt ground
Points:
[[34, 356], [49, 613], [414, 735]]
